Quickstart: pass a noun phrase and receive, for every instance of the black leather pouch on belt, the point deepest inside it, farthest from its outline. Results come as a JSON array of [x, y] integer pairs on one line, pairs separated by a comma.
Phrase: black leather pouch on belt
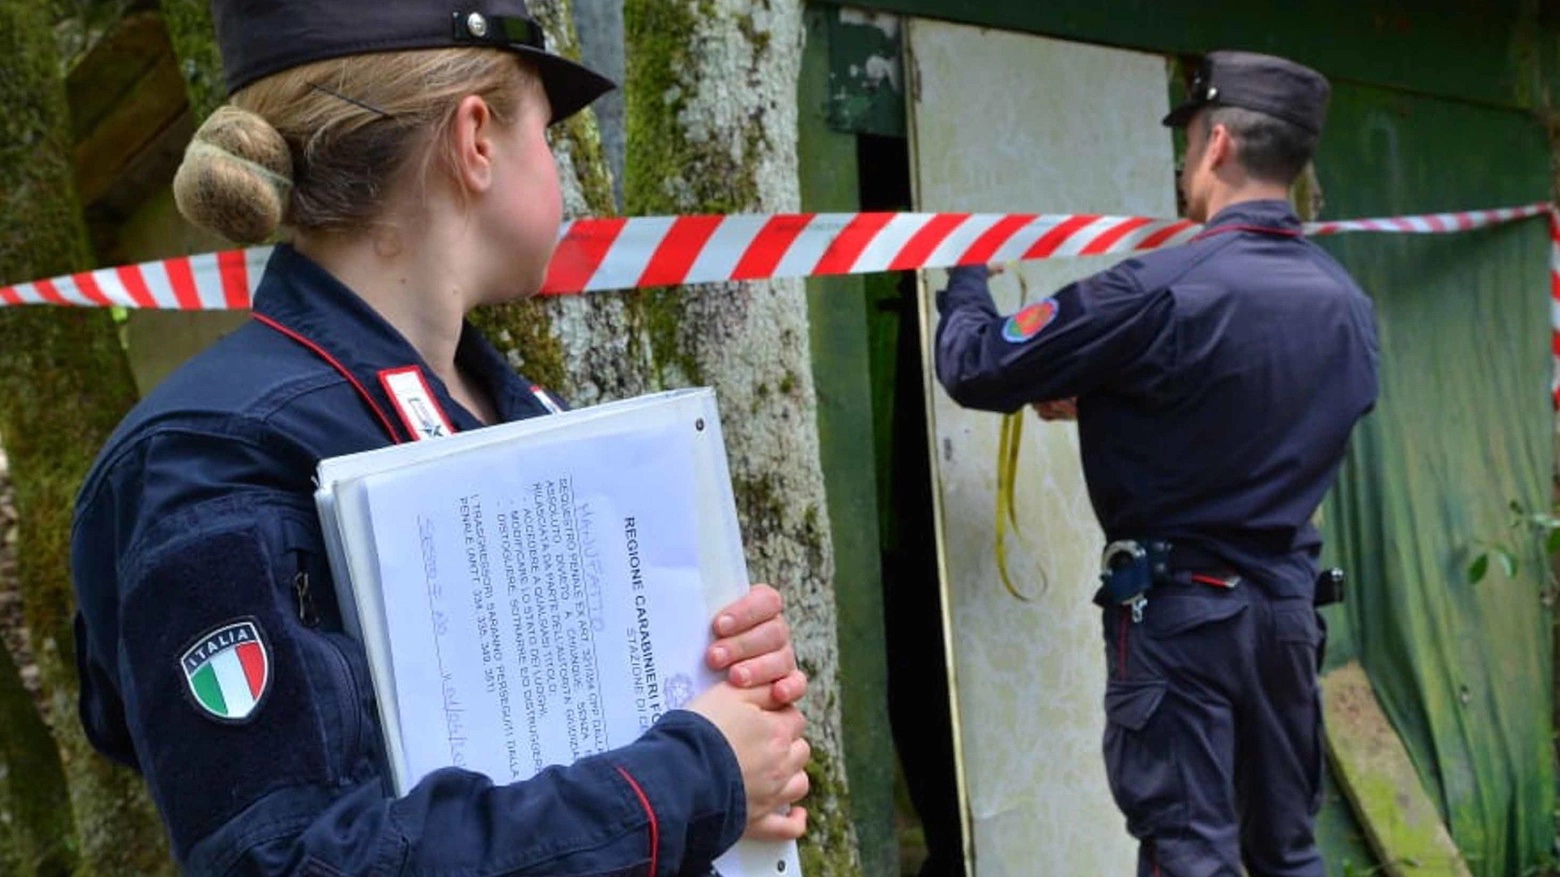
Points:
[[1329, 587]]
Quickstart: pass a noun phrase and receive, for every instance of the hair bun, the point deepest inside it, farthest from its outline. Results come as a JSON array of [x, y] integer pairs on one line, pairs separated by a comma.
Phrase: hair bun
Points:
[[236, 178]]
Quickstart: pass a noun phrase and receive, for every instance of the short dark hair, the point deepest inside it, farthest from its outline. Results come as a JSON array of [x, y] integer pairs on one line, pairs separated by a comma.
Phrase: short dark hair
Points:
[[1269, 148]]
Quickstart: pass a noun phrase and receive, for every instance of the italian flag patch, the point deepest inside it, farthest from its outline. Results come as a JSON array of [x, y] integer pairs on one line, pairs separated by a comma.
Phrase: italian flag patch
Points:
[[229, 671]]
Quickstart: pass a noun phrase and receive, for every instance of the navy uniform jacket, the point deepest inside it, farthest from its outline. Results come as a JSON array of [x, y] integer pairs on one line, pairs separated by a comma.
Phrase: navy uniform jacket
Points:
[[199, 513], [1217, 384]]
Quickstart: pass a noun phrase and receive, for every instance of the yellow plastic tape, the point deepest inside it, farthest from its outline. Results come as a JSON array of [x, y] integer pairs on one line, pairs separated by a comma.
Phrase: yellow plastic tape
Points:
[[1009, 441]]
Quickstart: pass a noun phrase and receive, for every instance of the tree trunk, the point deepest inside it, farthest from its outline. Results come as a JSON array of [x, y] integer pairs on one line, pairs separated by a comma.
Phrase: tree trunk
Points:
[[712, 128], [194, 39], [64, 384], [36, 831]]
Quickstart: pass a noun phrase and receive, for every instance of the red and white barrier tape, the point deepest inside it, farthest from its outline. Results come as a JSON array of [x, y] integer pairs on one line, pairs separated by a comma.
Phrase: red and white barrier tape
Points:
[[596, 255], [1554, 305]]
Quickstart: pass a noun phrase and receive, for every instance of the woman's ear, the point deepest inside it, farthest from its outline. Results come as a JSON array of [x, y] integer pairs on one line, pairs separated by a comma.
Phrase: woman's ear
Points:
[[471, 134]]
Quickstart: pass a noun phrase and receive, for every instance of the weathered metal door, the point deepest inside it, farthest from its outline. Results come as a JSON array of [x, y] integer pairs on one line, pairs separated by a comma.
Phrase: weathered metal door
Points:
[[1011, 123]]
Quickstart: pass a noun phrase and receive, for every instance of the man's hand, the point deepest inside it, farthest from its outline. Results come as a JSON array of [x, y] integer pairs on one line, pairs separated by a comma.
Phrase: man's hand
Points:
[[1059, 409], [753, 647]]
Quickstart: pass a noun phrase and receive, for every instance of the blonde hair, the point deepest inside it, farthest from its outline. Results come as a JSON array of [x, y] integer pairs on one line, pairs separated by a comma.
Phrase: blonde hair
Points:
[[319, 147]]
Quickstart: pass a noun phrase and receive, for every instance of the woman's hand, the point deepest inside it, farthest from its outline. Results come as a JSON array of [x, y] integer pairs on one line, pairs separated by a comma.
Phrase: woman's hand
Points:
[[768, 743], [753, 647]]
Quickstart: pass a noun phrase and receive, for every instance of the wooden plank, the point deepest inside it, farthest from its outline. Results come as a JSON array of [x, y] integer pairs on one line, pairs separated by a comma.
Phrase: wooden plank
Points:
[[104, 153], [1374, 770], [109, 72], [836, 317]]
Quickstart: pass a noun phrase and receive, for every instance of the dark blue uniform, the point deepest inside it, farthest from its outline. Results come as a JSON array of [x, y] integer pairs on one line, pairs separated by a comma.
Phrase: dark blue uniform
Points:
[[1217, 384], [199, 517]]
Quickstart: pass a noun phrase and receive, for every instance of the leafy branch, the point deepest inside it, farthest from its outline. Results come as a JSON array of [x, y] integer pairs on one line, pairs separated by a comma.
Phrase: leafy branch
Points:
[[1545, 526]]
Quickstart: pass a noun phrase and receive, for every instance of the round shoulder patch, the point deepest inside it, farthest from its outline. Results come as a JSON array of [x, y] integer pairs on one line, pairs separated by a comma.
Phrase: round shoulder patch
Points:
[[229, 671], [1029, 322]]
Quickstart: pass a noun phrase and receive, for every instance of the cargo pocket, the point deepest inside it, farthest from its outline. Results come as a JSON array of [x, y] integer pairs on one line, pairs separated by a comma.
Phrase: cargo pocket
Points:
[[1297, 640], [1169, 614], [1297, 624], [338, 668], [1145, 778], [1299, 633]]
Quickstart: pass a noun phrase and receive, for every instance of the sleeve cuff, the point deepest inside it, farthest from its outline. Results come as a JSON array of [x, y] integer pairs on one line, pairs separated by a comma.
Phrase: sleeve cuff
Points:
[[690, 782], [968, 285]]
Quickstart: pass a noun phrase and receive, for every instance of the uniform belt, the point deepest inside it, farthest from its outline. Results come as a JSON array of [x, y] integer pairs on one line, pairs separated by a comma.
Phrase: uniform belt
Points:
[[1160, 559], [1186, 558], [1176, 557]]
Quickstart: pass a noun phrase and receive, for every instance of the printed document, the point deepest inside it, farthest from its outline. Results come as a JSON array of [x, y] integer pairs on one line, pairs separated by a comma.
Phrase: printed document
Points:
[[536, 592]]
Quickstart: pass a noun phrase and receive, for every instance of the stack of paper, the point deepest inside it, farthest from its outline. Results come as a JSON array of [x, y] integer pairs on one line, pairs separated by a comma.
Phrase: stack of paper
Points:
[[536, 592]]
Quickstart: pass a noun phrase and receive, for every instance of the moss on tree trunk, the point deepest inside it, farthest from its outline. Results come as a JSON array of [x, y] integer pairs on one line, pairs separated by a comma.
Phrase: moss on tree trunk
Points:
[[712, 128], [36, 830], [64, 384], [194, 39]]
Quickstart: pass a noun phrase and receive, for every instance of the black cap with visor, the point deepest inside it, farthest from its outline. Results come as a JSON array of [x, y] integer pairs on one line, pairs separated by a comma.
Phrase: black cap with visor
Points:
[[262, 37]]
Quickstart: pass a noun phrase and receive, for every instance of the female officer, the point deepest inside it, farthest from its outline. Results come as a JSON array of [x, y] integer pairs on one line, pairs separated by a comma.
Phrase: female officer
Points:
[[403, 145]]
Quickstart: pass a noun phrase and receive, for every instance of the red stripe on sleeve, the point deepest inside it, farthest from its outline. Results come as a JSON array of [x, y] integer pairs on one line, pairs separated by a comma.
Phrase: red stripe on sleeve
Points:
[[655, 828], [580, 253]]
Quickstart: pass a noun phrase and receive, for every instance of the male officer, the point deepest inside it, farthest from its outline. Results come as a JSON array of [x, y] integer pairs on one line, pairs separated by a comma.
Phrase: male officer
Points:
[[1216, 385]]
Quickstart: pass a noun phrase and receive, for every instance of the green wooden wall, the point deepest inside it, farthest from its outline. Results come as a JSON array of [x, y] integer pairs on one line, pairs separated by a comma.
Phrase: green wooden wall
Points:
[[837, 312]]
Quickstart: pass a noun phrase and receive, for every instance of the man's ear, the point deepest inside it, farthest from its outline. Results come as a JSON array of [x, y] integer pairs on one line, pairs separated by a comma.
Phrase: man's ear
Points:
[[1221, 147], [471, 140]]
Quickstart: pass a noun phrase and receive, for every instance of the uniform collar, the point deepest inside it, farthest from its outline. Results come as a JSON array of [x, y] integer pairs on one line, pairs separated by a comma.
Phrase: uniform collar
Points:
[[1268, 214], [298, 294]]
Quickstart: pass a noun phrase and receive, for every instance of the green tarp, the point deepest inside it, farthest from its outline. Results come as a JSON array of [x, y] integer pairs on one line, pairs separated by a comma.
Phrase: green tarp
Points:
[[1464, 428]]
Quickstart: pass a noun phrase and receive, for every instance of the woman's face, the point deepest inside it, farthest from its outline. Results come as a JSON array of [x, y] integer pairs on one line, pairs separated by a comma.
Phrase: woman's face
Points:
[[523, 208]]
